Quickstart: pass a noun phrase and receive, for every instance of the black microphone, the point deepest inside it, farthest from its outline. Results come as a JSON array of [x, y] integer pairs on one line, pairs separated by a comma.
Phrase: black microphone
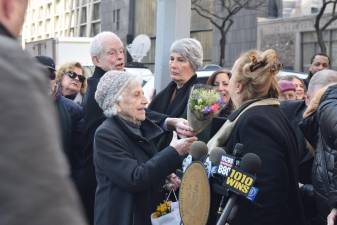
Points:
[[217, 182], [249, 164], [198, 152], [237, 152], [215, 155]]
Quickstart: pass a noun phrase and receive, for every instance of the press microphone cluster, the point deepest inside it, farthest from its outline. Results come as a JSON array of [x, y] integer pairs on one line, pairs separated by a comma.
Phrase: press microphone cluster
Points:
[[238, 180], [230, 176]]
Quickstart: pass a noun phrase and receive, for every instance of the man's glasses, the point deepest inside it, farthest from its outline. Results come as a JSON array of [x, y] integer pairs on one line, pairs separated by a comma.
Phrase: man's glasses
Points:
[[73, 75]]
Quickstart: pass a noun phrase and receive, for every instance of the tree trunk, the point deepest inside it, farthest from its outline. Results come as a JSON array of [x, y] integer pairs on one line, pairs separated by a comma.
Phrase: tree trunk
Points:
[[320, 41], [222, 49]]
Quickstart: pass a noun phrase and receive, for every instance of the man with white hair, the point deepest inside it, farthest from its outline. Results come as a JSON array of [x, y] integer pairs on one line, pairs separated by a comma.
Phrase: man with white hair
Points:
[[317, 123], [35, 184], [107, 53], [294, 112]]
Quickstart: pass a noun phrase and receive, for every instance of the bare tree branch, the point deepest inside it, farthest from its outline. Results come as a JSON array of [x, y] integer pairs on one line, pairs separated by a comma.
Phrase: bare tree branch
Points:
[[320, 26], [206, 17], [221, 19]]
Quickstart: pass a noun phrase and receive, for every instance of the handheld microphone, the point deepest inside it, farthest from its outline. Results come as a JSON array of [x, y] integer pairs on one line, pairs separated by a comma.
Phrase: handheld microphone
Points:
[[198, 152], [240, 182], [213, 160], [237, 152]]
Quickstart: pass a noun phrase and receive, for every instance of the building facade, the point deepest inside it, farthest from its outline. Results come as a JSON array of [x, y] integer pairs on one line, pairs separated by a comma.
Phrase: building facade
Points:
[[295, 40], [61, 18], [129, 18]]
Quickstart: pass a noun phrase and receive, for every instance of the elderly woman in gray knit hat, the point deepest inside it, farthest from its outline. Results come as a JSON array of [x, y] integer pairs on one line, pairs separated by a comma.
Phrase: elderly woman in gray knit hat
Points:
[[130, 171], [186, 56]]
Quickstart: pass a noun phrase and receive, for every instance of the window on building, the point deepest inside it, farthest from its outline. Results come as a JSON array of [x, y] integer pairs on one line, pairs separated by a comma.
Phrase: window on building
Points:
[[95, 12], [117, 18], [72, 32], [33, 15], [95, 29], [48, 10], [33, 30], [40, 28], [40, 13], [57, 23], [83, 15], [309, 47], [59, 8], [83, 31]]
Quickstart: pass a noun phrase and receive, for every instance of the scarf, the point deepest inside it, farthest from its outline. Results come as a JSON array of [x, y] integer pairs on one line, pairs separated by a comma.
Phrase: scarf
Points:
[[174, 106], [221, 137]]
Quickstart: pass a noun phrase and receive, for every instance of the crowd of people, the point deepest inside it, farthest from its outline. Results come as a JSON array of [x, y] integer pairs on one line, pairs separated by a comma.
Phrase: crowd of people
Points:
[[83, 148]]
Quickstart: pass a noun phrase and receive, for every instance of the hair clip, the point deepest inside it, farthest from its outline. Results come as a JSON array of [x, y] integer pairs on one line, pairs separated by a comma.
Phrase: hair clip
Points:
[[257, 65]]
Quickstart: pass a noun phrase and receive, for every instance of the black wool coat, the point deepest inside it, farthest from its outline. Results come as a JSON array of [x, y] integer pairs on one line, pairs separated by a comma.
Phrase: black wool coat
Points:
[[265, 131], [294, 110], [324, 171], [172, 102], [93, 118], [130, 172]]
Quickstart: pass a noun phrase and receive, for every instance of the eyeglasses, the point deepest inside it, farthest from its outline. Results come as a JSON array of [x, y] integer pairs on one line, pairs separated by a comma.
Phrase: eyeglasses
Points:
[[73, 75]]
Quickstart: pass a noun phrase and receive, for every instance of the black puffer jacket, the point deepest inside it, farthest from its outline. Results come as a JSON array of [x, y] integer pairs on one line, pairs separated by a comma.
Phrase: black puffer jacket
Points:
[[325, 163]]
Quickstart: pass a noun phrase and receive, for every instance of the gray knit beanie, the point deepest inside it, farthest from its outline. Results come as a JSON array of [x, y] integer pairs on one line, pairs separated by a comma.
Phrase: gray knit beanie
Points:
[[110, 89]]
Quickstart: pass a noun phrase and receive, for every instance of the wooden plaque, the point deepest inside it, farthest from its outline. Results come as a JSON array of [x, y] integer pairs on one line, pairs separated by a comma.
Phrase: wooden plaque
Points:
[[194, 195]]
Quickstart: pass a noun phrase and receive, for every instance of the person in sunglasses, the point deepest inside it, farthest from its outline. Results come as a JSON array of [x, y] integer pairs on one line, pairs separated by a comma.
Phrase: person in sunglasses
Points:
[[70, 116], [73, 81]]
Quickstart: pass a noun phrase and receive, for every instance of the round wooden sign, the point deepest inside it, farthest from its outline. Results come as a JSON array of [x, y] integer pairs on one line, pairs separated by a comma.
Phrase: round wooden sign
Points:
[[194, 195]]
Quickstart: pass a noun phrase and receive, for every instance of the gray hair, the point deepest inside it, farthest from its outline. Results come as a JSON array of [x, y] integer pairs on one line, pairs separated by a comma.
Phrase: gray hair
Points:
[[110, 90], [190, 49], [96, 47], [321, 79]]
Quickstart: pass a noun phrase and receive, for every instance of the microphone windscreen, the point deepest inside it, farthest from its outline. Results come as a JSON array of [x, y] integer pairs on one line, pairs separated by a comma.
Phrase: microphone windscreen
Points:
[[238, 149], [250, 163], [198, 150], [216, 154]]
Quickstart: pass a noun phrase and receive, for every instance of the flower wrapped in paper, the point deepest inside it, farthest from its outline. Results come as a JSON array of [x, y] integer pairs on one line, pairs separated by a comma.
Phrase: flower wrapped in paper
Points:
[[167, 213], [203, 105]]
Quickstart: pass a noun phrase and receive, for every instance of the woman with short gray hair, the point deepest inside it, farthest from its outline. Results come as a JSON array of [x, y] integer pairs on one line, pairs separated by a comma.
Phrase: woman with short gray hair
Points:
[[130, 171], [186, 56]]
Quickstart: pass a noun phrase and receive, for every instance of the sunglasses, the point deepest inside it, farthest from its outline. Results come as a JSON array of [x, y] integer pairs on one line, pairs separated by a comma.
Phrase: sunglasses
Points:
[[73, 75]]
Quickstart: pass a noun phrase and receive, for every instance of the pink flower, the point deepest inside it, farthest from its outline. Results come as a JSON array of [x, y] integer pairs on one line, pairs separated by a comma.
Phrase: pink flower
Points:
[[215, 107]]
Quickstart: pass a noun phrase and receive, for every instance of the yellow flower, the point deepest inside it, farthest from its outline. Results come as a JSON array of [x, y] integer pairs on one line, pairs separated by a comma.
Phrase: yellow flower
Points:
[[162, 209]]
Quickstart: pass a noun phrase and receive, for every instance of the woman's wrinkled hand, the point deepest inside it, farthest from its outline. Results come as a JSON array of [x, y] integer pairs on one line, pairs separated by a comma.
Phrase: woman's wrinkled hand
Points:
[[182, 146], [181, 126]]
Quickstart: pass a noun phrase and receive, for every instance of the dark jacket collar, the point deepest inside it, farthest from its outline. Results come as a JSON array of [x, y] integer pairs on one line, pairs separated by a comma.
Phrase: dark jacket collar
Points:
[[148, 129], [98, 73], [4, 31], [175, 107], [237, 112]]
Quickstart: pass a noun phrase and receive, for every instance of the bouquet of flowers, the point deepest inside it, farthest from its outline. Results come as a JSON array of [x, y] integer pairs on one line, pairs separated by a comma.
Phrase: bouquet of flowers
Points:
[[162, 209], [203, 105], [167, 213]]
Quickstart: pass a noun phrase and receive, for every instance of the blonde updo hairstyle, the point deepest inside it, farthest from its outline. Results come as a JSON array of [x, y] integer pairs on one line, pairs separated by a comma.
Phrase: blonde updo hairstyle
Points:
[[257, 73]]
